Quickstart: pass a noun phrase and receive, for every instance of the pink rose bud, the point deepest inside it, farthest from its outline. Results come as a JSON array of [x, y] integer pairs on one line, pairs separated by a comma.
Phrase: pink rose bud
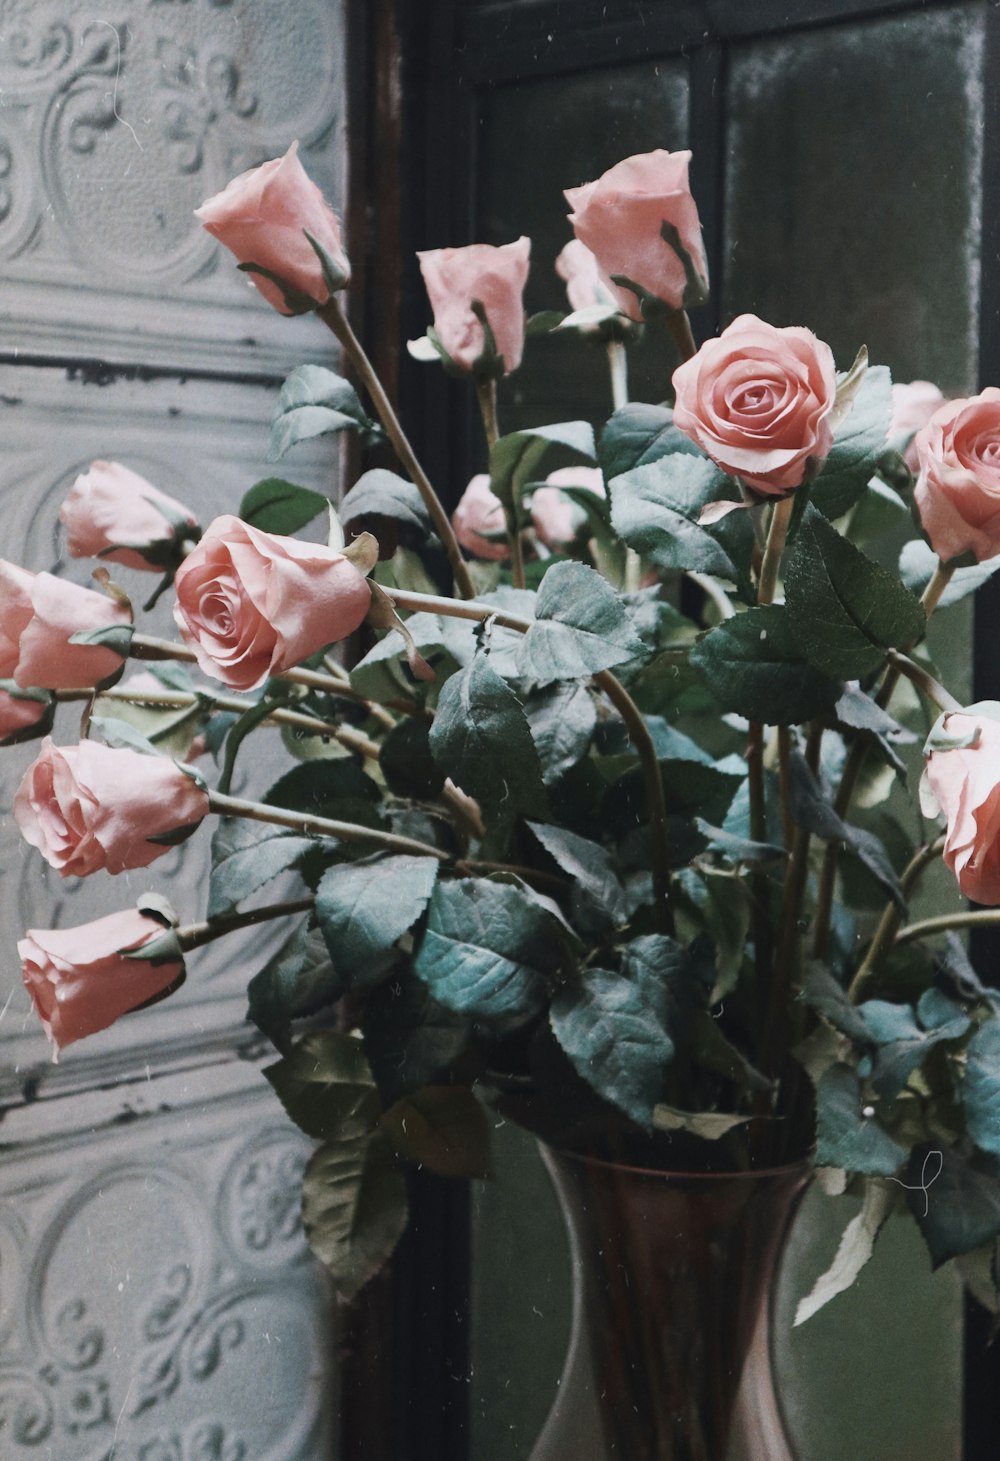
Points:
[[556, 518], [913, 405], [89, 807], [22, 714], [757, 400], [111, 512], [479, 521], [958, 486], [585, 285], [38, 615], [621, 219], [494, 278], [81, 979], [964, 782], [252, 604], [262, 217]]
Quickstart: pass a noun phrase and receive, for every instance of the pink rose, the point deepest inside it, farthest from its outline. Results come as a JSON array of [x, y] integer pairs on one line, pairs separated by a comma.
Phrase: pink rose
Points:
[[480, 512], [913, 405], [958, 487], [21, 714], [493, 277], [111, 512], [620, 218], [261, 217], [757, 400], [585, 284], [38, 614], [965, 784], [81, 980], [251, 604], [89, 807], [556, 518]]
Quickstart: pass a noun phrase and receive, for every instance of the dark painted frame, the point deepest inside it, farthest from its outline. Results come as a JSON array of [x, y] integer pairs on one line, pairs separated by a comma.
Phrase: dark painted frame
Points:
[[419, 72]]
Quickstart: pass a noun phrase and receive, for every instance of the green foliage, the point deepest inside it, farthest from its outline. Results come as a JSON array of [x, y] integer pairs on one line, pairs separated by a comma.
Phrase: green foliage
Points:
[[598, 898], [480, 738], [845, 1136], [562, 718], [515, 459], [379, 495], [354, 1208], [245, 856], [857, 448], [754, 666], [442, 1128], [638, 434], [580, 627], [955, 1197], [277, 506], [298, 980], [362, 909], [407, 761], [656, 510], [981, 1087], [410, 1038], [314, 402]]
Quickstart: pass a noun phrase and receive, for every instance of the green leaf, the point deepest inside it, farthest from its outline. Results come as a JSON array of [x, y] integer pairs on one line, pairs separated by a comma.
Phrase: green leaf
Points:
[[116, 637], [754, 667], [297, 981], [515, 459], [722, 907], [562, 719], [276, 506], [981, 1087], [598, 895], [338, 789], [313, 402], [638, 434], [245, 856], [823, 993], [848, 609], [903, 1045], [857, 446], [326, 1086], [955, 1199], [859, 711], [738, 851], [407, 762], [918, 561], [121, 734], [354, 1209], [442, 1128], [854, 1250], [812, 810], [410, 1039], [484, 949], [363, 908], [580, 627], [383, 494], [844, 1136], [655, 510], [480, 738], [709, 1125]]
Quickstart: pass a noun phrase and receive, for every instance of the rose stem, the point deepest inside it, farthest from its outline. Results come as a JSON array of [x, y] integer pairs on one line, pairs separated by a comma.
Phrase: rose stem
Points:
[[680, 328], [924, 681], [195, 935], [618, 369], [714, 591], [310, 826], [926, 927], [340, 674], [891, 917], [334, 318], [784, 784], [145, 647], [619, 697], [486, 395], [852, 771]]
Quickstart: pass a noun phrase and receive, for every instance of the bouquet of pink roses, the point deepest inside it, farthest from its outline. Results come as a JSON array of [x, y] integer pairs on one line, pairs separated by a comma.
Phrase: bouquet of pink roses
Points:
[[579, 832]]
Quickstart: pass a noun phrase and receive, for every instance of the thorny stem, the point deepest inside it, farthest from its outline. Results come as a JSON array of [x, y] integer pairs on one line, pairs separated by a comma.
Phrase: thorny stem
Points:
[[195, 935], [334, 318], [310, 826]]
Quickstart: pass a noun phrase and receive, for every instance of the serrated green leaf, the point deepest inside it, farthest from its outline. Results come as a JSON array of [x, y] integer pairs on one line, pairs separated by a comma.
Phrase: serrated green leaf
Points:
[[515, 459], [480, 738], [580, 628], [245, 856], [337, 789], [981, 1087], [955, 1199], [845, 1137], [442, 1128], [857, 446], [562, 719], [407, 762], [277, 506], [848, 609], [297, 981], [313, 402], [638, 434], [723, 906], [855, 1248], [363, 908], [354, 1209], [918, 562], [902, 1044], [823, 993], [484, 950], [326, 1086], [599, 897], [811, 809], [709, 1125], [655, 510], [754, 667], [383, 494], [410, 1039]]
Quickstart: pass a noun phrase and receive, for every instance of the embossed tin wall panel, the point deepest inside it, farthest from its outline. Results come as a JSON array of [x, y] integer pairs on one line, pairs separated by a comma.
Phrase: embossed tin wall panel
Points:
[[205, 443], [157, 1301], [116, 122]]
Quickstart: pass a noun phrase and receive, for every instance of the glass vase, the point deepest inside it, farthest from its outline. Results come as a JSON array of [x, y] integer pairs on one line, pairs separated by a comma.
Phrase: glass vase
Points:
[[672, 1276]]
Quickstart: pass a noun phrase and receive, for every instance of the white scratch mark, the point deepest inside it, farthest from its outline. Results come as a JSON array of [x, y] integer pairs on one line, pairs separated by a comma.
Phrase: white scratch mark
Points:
[[114, 96]]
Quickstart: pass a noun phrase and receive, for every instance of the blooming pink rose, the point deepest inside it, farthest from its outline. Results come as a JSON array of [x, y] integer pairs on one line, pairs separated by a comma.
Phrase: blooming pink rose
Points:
[[620, 218], [261, 217], [89, 807], [80, 979], [965, 783], [585, 284], [478, 513], [557, 518], [38, 614], [252, 604], [958, 487], [493, 277], [112, 512], [757, 400], [19, 713], [913, 405]]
